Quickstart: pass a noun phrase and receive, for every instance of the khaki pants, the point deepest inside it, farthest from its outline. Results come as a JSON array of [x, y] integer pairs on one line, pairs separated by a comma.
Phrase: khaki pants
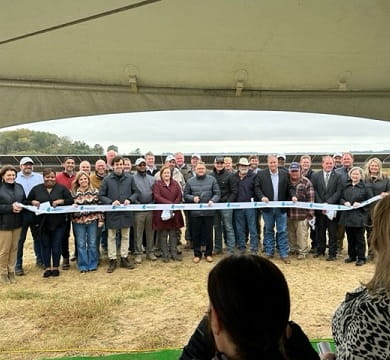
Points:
[[111, 243], [143, 222], [8, 249], [298, 232]]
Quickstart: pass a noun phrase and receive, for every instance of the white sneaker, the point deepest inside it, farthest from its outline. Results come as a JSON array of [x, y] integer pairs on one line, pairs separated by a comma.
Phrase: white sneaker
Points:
[[138, 259]]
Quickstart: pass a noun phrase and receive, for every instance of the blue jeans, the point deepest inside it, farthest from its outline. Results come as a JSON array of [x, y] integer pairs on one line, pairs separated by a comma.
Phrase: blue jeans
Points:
[[271, 218], [87, 258], [249, 217], [223, 224], [52, 245]]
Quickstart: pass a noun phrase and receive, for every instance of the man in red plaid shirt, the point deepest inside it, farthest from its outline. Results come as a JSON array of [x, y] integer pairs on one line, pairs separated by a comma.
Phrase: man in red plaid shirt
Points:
[[301, 189]]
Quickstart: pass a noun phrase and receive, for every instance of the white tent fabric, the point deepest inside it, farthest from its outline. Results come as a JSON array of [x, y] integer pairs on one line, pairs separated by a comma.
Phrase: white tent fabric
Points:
[[69, 58]]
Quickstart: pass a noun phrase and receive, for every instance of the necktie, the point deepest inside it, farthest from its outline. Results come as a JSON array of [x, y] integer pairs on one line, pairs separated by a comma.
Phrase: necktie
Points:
[[326, 179]]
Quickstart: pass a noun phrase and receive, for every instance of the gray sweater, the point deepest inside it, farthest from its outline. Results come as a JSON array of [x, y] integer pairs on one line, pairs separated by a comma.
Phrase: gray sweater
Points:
[[144, 184]]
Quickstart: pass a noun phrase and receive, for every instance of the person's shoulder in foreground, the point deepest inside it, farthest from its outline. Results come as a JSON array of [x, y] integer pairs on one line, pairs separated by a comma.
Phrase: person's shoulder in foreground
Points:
[[361, 324]]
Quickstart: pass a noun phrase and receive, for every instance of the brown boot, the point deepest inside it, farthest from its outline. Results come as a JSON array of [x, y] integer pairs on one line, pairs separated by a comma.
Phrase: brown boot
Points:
[[4, 279], [11, 277]]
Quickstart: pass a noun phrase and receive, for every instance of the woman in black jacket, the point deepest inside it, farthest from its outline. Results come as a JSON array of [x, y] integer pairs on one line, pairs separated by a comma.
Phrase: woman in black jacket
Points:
[[354, 193], [51, 226], [11, 195]]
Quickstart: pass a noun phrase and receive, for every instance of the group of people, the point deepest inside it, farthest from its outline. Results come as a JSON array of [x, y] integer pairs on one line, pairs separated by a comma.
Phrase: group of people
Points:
[[207, 232], [249, 311]]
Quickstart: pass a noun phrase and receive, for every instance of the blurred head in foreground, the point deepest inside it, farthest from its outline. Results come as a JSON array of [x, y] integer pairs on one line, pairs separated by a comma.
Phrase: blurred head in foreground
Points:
[[249, 307]]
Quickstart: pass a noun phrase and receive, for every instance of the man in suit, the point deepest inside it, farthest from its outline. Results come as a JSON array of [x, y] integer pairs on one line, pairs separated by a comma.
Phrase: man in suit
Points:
[[272, 185], [328, 186]]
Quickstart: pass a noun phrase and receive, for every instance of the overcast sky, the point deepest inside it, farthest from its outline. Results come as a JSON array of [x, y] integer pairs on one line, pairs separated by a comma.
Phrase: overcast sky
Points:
[[223, 131]]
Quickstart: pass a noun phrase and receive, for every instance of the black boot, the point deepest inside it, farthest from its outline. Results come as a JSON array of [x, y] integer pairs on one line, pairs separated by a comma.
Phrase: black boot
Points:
[[111, 266], [65, 264], [126, 263]]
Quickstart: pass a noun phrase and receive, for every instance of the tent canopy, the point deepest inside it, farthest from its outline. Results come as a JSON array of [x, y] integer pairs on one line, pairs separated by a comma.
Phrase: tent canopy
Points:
[[70, 58]]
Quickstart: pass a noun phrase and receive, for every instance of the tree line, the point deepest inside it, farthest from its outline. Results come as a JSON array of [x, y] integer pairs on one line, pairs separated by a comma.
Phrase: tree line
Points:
[[25, 141]]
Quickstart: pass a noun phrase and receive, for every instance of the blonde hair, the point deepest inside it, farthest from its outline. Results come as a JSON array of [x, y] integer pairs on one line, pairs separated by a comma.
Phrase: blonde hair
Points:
[[380, 243], [308, 157], [75, 182], [367, 174]]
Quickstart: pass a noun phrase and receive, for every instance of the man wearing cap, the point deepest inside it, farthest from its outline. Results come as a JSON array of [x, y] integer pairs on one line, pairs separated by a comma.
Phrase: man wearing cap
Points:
[[301, 189], [282, 162], [66, 177], [143, 219], [328, 186], [272, 184], [337, 158], [223, 219], [151, 168], [245, 182], [118, 189], [202, 188], [28, 179]]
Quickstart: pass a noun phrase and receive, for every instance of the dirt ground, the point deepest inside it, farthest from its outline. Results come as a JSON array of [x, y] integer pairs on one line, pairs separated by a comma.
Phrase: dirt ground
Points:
[[155, 306]]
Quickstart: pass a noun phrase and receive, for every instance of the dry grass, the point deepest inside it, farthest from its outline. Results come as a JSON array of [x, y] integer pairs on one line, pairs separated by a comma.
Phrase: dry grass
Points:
[[154, 306]]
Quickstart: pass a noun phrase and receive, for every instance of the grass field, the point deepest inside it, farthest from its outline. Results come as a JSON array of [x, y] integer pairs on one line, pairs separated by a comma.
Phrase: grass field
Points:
[[155, 306]]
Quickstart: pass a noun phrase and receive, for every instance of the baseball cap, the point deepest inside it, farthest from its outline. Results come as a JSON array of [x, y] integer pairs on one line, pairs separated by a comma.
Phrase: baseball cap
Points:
[[281, 156], [140, 161], [337, 155], [219, 159], [243, 161], [196, 155], [26, 160], [294, 166], [169, 158]]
